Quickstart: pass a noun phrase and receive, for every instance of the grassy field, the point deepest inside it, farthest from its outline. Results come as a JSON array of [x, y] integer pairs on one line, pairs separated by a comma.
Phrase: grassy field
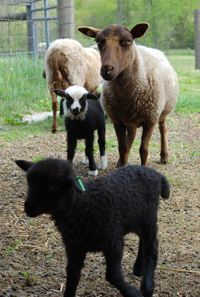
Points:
[[23, 90]]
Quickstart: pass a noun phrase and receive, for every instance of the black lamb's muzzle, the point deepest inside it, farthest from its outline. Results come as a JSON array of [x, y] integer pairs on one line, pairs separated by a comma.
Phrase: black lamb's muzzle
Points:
[[31, 210], [75, 111]]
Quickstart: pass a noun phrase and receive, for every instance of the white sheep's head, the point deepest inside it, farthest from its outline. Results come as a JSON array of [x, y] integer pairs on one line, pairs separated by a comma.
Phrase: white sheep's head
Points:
[[116, 46], [75, 101], [52, 186]]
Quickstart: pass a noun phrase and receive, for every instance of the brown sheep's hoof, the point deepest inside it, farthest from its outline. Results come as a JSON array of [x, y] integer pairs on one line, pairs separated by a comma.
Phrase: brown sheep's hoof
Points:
[[54, 131], [164, 160]]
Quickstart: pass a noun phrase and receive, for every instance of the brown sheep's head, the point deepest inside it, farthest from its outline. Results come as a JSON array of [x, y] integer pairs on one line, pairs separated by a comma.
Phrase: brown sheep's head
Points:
[[52, 186], [116, 46]]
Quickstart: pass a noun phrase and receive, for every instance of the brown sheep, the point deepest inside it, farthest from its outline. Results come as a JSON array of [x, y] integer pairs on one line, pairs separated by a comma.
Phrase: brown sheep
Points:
[[140, 88], [68, 63]]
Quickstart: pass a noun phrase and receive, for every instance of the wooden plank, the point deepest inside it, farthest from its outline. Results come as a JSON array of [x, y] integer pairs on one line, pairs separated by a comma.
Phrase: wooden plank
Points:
[[13, 17]]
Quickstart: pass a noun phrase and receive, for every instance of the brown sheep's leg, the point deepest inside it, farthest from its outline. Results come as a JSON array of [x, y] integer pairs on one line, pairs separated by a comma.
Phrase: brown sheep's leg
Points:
[[120, 130], [163, 151], [131, 131], [54, 108], [144, 147]]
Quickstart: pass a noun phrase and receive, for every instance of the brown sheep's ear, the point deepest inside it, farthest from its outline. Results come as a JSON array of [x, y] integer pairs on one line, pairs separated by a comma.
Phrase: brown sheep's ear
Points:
[[138, 30], [24, 165], [89, 31], [59, 92]]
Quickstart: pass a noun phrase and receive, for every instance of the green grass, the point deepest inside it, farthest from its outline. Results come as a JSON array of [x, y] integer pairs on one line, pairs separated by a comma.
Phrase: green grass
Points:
[[22, 87], [23, 90]]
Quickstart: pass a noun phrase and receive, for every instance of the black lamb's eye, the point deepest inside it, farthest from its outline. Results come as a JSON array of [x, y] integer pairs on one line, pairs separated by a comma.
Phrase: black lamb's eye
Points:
[[70, 100], [54, 188]]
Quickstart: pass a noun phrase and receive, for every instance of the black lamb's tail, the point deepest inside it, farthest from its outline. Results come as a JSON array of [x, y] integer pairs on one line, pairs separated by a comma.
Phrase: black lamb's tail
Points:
[[165, 187]]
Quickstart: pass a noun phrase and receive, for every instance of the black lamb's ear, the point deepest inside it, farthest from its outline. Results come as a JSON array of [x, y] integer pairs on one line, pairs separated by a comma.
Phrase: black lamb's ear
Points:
[[91, 96], [73, 182], [59, 92], [24, 165], [61, 107]]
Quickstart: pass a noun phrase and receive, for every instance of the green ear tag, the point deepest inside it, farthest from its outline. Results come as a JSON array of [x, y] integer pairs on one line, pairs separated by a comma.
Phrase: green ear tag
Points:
[[80, 182]]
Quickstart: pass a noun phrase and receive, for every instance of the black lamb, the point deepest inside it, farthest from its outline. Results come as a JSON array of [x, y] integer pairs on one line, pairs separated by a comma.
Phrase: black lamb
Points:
[[83, 115], [96, 214]]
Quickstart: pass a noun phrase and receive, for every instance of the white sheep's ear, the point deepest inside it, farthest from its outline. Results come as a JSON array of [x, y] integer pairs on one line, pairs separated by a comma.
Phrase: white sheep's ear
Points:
[[138, 30], [91, 96], [89, 31], [24, 165], [59, 92]]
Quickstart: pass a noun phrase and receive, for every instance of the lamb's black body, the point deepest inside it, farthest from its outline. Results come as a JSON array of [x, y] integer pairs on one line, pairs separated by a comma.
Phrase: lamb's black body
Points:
[[84, 129], [97, 219], [83, 116]]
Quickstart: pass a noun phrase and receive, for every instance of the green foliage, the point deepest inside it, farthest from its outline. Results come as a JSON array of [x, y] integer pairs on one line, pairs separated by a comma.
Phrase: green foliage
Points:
[[37, 159], [171, 21], [26, 274], [10, 249]]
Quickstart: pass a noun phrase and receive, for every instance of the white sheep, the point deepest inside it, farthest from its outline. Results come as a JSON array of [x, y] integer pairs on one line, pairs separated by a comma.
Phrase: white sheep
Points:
[[140, 88], [68, 63]]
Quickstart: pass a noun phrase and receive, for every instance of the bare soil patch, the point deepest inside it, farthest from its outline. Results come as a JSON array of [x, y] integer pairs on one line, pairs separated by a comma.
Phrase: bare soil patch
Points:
[[36, 267]]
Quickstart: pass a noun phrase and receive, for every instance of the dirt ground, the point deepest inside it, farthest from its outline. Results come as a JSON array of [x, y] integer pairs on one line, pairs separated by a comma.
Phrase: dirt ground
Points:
[[32, 256]]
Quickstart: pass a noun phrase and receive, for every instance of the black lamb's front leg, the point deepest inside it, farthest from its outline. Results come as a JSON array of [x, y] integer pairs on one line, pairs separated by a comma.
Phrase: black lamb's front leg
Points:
[[74, 266], [102, 145], [71, 146]]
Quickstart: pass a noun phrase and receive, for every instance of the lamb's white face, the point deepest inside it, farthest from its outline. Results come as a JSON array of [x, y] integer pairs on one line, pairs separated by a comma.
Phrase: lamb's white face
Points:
[[75, 104]]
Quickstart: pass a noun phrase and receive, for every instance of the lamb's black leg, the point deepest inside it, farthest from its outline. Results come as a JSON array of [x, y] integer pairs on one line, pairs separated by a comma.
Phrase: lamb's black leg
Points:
[[102, 145], [150, 252], [71, 146], [101, 141], [74, 266], [89, 154], [138, 265], [114, 273]]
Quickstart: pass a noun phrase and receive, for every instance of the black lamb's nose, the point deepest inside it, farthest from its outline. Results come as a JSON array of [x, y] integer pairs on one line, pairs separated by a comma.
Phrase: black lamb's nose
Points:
[[75, 111], [28, 207]]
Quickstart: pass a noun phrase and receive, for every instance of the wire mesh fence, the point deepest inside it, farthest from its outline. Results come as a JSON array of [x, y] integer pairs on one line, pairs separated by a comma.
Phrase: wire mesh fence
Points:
[[21, 83]]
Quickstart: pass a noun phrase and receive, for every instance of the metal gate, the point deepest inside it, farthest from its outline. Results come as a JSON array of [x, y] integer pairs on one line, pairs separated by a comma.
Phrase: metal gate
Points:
[[33, 19]]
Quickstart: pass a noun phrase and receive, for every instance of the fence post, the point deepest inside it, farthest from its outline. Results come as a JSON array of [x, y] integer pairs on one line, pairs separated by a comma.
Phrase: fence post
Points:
[[65, 12], [29, 32], [197, 37]]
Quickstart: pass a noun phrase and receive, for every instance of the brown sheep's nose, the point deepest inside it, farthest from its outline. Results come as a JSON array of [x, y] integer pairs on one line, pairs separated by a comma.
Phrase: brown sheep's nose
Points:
[[107, 69]]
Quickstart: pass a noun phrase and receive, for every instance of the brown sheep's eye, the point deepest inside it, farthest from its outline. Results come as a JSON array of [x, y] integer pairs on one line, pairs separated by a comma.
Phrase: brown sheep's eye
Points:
[[128, 42], [100, 43]]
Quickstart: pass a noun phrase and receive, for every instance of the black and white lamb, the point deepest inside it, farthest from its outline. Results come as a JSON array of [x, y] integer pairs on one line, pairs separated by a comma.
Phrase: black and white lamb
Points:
[[97, 219], [83, 115]]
